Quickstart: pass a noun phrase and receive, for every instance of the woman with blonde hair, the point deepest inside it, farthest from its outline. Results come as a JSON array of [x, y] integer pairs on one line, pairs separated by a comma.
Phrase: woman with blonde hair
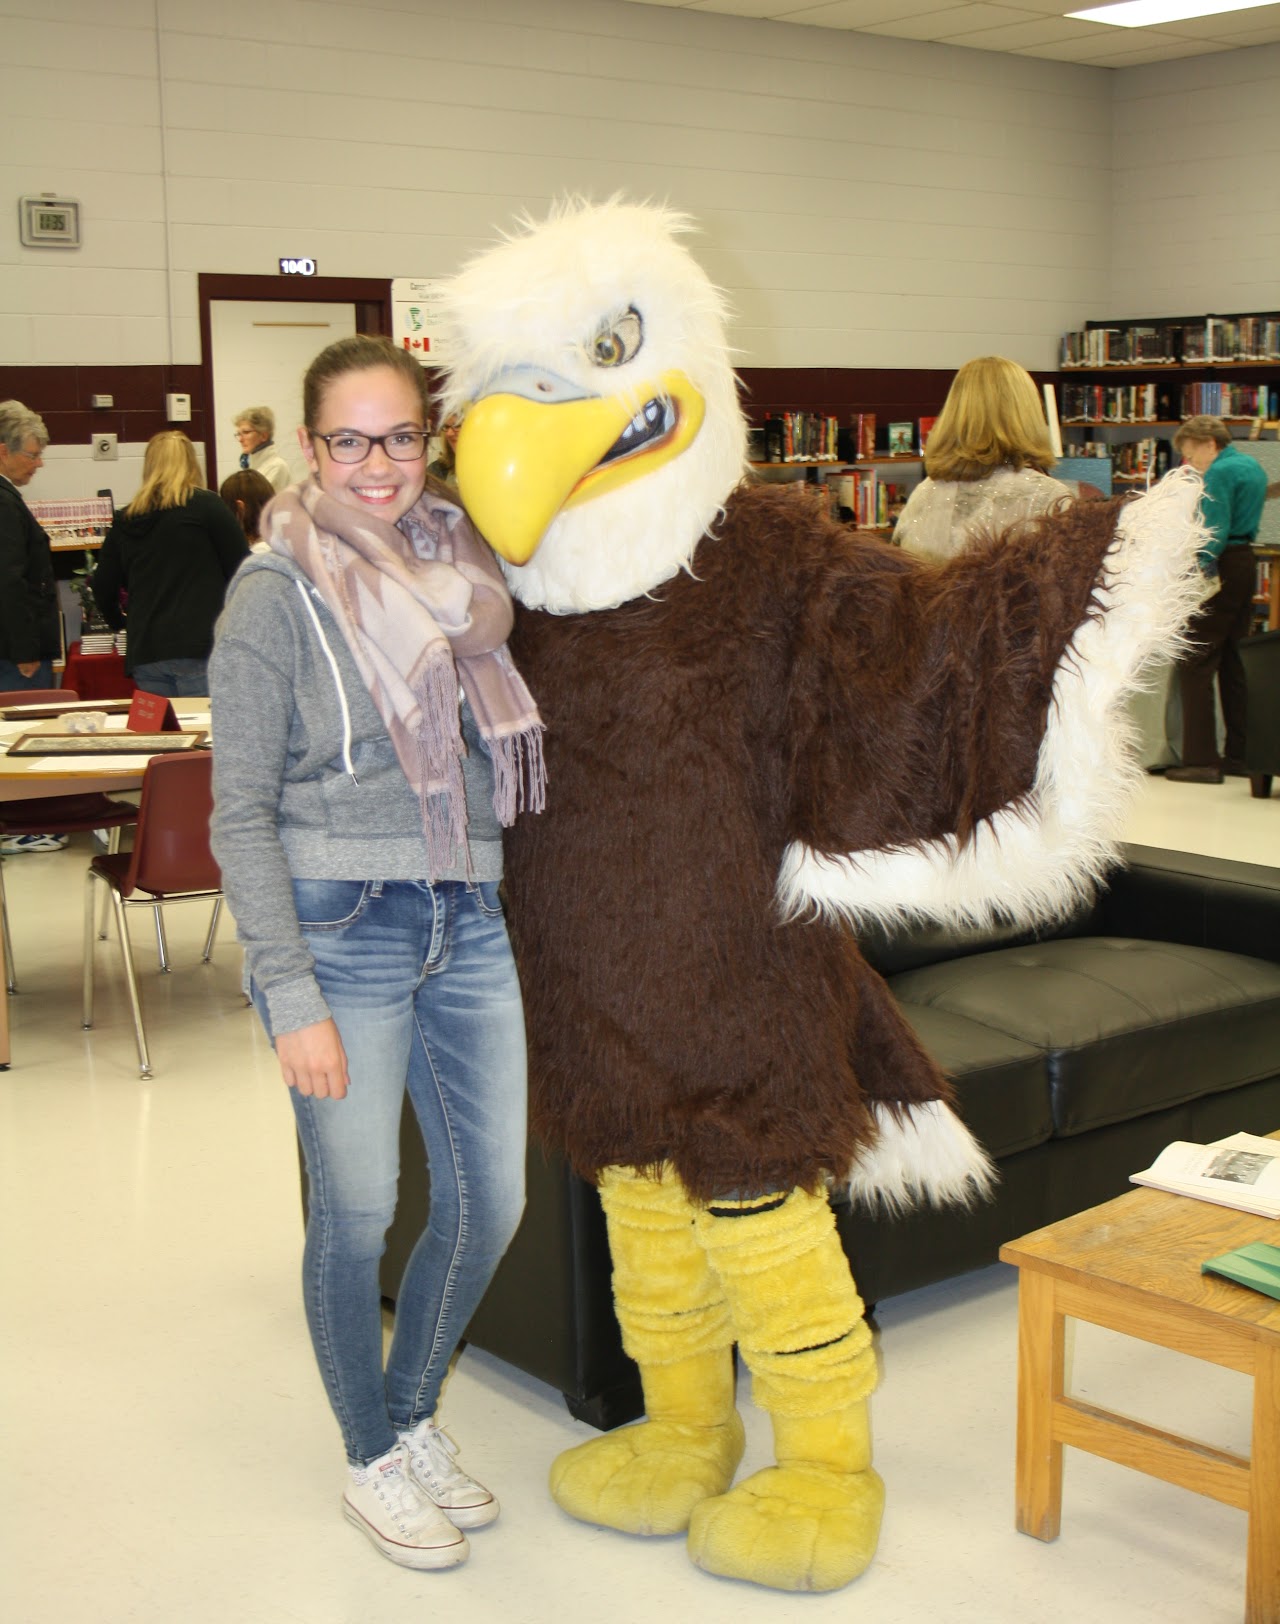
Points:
[[987, 462], [164, 568]]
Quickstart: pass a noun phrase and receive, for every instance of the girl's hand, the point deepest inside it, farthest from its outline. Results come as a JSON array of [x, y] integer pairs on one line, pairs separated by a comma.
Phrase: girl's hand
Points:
[[313, 1061]]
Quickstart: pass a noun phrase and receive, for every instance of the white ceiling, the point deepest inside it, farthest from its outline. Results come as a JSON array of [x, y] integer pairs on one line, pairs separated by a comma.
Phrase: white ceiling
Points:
[[1024, 28]]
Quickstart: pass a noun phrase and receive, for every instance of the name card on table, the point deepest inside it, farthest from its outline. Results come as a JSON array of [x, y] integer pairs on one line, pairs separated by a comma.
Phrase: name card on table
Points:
[[152, 713]]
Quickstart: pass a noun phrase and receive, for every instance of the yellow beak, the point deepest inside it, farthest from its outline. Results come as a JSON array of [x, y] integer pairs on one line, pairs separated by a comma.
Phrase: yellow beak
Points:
[[520, 461]]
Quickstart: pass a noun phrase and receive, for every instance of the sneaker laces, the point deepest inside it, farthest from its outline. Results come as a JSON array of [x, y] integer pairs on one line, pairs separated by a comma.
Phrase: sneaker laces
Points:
[[434, 1455], [393, 1484]]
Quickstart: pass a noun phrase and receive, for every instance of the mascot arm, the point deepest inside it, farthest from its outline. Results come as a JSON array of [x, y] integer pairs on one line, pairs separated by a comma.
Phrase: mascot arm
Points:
[[960, 748]]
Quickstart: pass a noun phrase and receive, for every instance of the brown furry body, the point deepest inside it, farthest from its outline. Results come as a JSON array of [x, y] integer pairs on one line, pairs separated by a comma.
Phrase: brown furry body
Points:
[[807, 683]]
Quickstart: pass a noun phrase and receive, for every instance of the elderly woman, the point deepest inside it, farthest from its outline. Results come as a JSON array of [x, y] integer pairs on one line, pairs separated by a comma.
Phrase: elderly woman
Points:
[[987, 462], [255, 430], [28, 599]]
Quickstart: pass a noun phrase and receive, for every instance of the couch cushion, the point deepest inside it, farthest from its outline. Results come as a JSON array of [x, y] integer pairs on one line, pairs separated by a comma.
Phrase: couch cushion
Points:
[[1127, 1026], [1001, 1083]]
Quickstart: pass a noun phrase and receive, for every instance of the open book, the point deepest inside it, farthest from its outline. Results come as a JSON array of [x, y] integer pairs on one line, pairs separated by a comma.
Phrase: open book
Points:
[[1240, 1171]]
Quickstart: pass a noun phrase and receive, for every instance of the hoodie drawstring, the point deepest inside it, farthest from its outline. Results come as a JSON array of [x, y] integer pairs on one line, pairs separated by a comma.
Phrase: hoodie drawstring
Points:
[[337, 680]]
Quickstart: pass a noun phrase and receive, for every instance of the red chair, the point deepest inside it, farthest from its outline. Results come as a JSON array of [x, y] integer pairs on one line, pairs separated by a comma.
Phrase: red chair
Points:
[[37, 696], [170, 862], [53, 814]]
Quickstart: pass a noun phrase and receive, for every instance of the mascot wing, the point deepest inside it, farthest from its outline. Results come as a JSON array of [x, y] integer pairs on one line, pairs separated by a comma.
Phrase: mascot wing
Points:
[[1002, 751]]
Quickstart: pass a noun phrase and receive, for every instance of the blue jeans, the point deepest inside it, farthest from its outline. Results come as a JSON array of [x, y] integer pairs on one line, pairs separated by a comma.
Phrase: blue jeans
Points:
[[422, 984], [11, 678], [175, 679]]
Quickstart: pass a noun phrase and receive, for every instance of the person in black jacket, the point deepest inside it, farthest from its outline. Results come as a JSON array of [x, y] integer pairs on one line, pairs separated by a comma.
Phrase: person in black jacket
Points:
[[28, 597], [171, 553]]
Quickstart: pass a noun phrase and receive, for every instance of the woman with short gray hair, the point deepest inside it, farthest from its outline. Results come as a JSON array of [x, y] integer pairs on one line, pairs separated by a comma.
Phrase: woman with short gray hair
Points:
[[255, 430], [29, 634]]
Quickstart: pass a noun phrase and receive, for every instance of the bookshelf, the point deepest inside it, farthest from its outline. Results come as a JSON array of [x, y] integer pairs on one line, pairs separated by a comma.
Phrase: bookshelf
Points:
[[836, 461], [1126, 385]]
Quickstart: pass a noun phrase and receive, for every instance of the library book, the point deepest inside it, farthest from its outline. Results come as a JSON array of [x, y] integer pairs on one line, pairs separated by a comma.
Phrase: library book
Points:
[[1240, 1171]]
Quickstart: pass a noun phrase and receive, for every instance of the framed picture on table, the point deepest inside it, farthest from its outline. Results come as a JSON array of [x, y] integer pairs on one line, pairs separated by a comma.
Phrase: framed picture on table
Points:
[[107, 744]]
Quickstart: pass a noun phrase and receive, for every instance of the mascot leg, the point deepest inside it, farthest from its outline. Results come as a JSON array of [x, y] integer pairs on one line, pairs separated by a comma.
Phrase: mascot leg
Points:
[[811, 1522], [647, 1478]]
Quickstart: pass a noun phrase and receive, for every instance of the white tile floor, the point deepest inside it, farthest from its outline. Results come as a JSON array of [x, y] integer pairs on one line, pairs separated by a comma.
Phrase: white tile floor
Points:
[[169, 1458]]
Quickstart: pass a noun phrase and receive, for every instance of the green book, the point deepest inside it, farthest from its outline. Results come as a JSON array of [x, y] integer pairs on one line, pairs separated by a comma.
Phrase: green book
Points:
[[1256, 1265]]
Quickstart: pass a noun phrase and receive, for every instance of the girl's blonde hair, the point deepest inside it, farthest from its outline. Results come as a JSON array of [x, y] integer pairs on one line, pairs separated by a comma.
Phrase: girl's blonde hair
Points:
[[992, 419], [170, 473]]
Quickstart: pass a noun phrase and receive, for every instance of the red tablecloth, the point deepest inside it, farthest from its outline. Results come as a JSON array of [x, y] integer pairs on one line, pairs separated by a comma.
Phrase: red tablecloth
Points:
[[96, 676]]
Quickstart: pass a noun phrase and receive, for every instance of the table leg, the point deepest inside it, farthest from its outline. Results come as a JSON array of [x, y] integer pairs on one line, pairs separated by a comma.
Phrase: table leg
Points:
[[1041, 1360], [1262, 1586]]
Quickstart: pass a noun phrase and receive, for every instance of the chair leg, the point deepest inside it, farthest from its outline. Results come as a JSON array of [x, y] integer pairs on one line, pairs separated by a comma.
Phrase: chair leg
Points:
[[113, 845], [9, 980], [131, 977], [1259, 788], [213, 931], [86, 999], [162, 944]]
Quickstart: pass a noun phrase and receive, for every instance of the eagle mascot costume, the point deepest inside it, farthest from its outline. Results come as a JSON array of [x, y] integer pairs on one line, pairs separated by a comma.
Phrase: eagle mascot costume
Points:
[[764, 730]]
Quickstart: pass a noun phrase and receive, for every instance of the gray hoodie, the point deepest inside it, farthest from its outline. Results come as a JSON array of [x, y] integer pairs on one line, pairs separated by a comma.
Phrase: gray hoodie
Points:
[[306, 781]]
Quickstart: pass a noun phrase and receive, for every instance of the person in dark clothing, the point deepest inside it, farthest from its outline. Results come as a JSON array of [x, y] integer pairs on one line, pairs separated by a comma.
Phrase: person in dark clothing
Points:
[[1235, 488], [28, 597], [172, 550]]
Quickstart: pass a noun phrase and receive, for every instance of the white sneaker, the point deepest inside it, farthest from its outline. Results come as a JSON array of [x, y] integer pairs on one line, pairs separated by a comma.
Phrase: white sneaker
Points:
[[14, 845], [384, 1503], [432, 1461]]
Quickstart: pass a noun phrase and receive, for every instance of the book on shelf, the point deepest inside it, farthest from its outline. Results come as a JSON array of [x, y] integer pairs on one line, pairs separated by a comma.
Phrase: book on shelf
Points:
[[1240, 1171], [925, 426], [1256, 1265], [862, 427], [900, 439], [1204, 341], [795, 436], [74, 524]]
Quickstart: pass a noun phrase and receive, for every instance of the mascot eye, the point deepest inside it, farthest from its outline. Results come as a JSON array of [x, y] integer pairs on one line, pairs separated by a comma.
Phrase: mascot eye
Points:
[[615, 345]]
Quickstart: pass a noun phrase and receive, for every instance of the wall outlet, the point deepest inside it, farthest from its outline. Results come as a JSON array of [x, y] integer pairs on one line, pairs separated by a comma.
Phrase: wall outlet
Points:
[[177, 408], [105, 448], [102, 400]]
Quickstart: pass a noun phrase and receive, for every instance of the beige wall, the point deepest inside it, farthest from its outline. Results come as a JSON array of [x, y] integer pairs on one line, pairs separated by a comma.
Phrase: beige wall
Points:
[[867, 201], [1197, 186]]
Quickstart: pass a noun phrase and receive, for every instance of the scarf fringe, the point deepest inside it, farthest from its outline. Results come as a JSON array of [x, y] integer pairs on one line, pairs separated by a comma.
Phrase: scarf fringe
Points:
[[443, 801], [519, 774]]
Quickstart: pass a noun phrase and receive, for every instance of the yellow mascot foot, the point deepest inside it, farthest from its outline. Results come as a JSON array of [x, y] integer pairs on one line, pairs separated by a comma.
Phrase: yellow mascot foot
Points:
[[801, 1527], [648, 1478]]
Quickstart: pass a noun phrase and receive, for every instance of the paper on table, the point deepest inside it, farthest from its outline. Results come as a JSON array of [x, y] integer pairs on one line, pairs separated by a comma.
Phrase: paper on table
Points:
[[79, 766]]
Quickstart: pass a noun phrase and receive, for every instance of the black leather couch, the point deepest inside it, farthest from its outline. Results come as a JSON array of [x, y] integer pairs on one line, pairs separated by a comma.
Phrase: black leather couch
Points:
[[1077, 1054], [1260, 657]]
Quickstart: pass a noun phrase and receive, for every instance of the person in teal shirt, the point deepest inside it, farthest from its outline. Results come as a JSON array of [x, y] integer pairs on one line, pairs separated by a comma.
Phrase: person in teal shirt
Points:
[[1235, 488]]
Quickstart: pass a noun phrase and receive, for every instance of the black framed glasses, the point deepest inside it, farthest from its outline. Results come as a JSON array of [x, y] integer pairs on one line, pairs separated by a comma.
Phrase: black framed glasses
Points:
[[401, 445]]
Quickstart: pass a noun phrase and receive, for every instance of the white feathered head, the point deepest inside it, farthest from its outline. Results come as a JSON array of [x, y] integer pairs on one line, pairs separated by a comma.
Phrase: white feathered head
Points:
[[602, 433]]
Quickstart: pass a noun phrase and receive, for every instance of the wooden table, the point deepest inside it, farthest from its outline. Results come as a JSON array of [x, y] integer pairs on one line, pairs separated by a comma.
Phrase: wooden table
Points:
[[1133, 1265], [19, 783]]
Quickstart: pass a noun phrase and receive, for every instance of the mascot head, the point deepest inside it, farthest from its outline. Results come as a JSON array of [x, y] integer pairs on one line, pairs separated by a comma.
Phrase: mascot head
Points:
[[602, 432]]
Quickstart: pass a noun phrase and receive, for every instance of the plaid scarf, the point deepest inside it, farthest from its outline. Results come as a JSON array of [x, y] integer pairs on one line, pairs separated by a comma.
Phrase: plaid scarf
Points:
[[423, 606]]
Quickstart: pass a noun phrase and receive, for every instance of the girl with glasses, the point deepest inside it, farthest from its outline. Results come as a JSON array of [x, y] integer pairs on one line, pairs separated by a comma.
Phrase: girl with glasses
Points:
[[373, 739]]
